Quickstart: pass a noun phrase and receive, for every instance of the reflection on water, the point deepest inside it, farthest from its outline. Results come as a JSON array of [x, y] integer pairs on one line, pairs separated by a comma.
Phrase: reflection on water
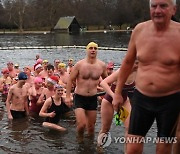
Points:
[[116, 39]]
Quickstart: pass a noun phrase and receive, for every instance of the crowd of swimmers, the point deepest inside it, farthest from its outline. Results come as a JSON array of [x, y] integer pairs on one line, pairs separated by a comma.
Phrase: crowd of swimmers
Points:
[[41, 90], [37, 90], [50, 91]]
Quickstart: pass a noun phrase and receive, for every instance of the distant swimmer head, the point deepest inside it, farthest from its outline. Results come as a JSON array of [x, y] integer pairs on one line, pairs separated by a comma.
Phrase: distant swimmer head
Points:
[[22, 76], [27, 68], [110, 65], [10, 63], [62, 65], [53, 79], [45, 61], [38, 80], [70, 59], [36, 66], [5, 71], [39, 61], [92, 45], [16, 65], [58, 86]]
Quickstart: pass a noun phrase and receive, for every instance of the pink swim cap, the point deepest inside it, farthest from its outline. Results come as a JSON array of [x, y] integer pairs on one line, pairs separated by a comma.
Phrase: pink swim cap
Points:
[[38, 80], [39, 61]]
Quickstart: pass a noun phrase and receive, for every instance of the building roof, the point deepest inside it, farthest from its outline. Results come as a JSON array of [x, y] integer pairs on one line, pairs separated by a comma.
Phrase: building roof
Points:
[[64, 22]]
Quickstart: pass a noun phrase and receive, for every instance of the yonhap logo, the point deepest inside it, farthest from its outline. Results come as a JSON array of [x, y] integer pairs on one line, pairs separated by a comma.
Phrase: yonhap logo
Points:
[[104, 139]]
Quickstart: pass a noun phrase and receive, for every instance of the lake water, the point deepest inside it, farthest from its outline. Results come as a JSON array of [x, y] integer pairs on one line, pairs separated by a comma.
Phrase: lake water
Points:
[[27, 135]]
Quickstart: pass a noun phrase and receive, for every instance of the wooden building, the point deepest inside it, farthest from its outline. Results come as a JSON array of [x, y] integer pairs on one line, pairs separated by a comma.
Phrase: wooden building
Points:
[[67, 24]]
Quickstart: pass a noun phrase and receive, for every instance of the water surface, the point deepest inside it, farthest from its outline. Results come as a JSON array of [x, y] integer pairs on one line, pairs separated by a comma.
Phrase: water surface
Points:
[[27, 135]]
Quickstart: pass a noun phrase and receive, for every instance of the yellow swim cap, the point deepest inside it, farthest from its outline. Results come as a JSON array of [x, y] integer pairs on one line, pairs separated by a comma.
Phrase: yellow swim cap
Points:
[[91, 44], [45, 61], [70, 59], [62, 65]]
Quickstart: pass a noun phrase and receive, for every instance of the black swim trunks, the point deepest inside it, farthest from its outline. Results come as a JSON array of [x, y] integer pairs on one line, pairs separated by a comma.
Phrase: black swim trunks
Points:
[[146, 109], [85, 102], [18, 114]]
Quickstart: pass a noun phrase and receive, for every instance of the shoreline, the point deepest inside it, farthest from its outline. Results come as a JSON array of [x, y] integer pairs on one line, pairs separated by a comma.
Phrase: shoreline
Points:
[[49, 32]]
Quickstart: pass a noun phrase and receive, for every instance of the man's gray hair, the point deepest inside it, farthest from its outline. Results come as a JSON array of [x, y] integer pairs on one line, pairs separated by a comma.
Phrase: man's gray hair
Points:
[[173, 1]]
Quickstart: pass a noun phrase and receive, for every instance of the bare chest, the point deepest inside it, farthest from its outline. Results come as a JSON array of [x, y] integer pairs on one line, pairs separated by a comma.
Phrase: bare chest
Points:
[[90, 72], [19, 94], [161, 49]]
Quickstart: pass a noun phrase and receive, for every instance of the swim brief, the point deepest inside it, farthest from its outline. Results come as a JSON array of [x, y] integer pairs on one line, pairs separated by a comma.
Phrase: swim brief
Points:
[[110, 99]]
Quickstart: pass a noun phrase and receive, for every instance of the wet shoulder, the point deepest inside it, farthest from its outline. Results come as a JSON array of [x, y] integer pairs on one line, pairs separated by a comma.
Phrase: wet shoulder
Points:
[[1, 79], [141, 26], [79, 63], [101, 63], [176, 25], [13, 87]]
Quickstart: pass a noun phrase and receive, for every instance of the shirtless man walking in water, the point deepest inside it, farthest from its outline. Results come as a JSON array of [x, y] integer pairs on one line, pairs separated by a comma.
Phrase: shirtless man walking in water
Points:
[[156, 45], [16, 103], [86, 72]]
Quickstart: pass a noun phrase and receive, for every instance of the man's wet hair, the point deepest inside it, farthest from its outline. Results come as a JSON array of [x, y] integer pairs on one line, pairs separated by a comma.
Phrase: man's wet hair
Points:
[[50, 66], [173, 1]]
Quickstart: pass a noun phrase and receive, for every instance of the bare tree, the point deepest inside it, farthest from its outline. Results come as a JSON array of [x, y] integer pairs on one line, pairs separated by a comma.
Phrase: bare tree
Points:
[[40, 14]]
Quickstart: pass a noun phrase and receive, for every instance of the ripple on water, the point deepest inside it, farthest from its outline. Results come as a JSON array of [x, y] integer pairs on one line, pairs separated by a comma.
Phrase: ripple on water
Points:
[[28, 136]]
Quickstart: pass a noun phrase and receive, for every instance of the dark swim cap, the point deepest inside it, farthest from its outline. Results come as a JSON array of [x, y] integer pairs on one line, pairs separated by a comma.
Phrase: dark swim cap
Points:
[[22, 76]]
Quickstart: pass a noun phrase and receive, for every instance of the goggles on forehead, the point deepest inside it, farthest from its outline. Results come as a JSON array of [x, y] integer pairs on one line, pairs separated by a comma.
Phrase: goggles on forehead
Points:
[[58, 86]]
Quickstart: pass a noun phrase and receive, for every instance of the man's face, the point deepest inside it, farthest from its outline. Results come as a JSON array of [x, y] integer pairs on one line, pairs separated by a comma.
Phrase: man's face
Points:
[[49, 84], [10, 66], [22, 82], [109, 71], [61, 69], [56, 62], [70, 62], [92, 52], [6, 74], [45, 64], [27, 71], [161, 11], [50, 72]]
